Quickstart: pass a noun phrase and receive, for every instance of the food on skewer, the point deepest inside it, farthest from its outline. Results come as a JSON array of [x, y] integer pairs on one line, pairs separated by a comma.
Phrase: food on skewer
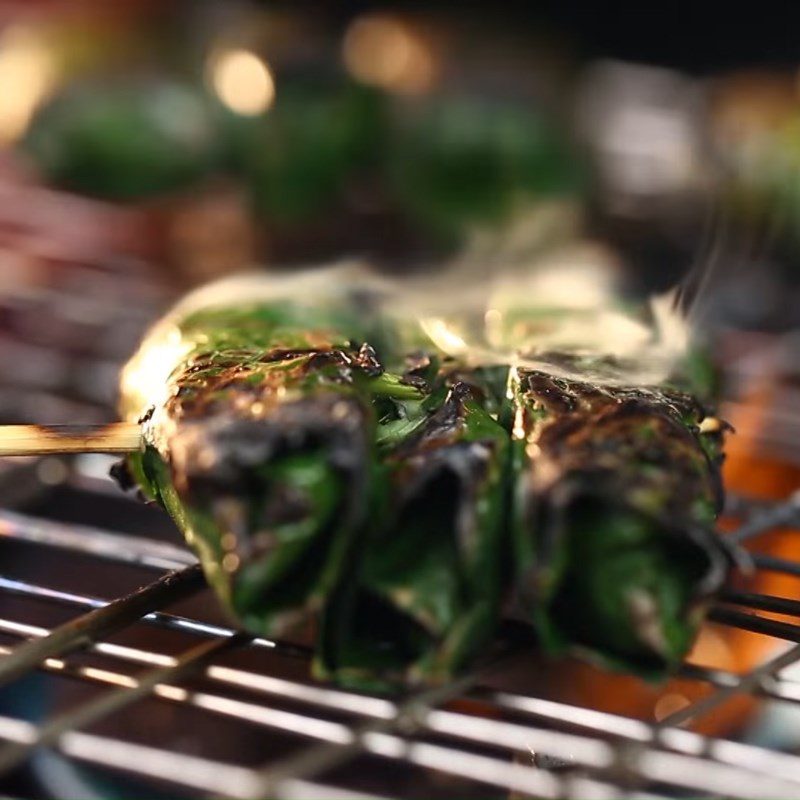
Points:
[[400, 497], [82, 140], [260, 442], [426, 587], [617, 489], [311, 479]]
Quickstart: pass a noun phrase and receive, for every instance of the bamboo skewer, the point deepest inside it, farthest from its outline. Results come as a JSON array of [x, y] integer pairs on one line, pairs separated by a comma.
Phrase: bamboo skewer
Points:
[[34, 440]]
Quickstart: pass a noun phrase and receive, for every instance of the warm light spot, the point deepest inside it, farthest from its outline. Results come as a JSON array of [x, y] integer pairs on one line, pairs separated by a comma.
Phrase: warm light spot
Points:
[[443, 336], [712, 650], [669, 704], [27, 76], [171, 692], [106, 676], [242, 81], [230, 562], [518, 431], [383, 51], [145, 380], [710, 425], [532, 450]]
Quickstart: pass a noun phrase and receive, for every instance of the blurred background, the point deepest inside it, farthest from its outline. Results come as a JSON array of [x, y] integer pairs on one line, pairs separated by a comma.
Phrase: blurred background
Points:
[[147, 147]]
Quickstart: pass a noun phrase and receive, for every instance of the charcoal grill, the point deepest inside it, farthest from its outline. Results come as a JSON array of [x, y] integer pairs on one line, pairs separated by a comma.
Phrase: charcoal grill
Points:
[[297, 739]]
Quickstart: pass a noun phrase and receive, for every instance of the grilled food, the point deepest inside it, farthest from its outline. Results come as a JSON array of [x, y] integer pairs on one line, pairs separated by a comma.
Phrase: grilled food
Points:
[[616, 492], [426, 589], [327, 463], [260, 442]]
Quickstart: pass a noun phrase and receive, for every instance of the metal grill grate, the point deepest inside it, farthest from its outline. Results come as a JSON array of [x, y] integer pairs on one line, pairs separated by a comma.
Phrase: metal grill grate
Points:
[[463, 735]]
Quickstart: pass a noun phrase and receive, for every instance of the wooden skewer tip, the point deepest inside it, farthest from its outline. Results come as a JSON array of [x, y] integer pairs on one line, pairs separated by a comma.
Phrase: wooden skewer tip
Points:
[[33, 440]]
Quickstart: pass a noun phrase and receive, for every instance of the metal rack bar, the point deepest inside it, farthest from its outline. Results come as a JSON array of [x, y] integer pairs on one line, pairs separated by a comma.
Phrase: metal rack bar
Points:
[[444, 759], [774, 564], [202, 774], [786, 513], [763, 602], [215, 777], [106, 704], [157, 618], [601, 755], [755, 623], [101, 622], [324, 697], [746, 682], [123, 548], [680, 741], [455, 725], [378, 708]]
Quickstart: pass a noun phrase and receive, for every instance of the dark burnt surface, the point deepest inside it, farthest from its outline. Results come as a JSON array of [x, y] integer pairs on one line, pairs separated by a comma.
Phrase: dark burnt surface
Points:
[[210, 382], [442, 427], [448, 463], [326, 421], [641, 444]]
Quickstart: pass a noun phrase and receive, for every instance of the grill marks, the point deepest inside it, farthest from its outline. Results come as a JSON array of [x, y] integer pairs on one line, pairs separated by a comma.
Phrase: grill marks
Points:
[[617, 493], [212, 380], [424, 596], [631, 437], [312, 481]]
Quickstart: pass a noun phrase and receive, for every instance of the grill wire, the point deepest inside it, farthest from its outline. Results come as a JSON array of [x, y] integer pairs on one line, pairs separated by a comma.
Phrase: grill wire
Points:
[[582, 752]]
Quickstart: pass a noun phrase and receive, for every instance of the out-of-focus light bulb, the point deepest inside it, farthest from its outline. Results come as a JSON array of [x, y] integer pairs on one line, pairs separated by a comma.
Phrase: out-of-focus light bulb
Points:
[[242, 81], [383, 51], [27, 75]]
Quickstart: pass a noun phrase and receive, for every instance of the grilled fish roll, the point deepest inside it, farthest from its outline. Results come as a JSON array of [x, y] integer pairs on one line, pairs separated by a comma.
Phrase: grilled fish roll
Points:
[[257, 401], [616, 492]]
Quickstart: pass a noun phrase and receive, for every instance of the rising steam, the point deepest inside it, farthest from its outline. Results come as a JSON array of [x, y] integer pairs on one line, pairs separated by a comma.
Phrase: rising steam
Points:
[[532, 295], [537, 296]]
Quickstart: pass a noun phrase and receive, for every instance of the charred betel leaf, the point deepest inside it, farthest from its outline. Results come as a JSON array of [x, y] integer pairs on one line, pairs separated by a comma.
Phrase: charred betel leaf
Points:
[[425, 595], [327, 463], [262, 449], [616, 492]]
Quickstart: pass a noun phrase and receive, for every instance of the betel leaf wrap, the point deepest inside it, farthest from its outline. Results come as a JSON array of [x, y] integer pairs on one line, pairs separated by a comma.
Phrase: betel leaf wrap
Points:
[[262, 451], [126, 140], [616, 492], [402, 497], [425, 594]]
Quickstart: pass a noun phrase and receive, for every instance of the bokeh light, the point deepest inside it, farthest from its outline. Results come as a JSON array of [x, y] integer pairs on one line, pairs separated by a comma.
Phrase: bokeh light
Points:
[[242, 81], [383, 51], [27, 75]]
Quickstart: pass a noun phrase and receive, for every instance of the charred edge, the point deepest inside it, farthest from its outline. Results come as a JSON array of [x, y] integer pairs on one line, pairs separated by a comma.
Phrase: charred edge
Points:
[[555, 397], [576, 443], [442, 426], [416, 367], [121, 473], [560, 395], [367, 360], [195, 391], [334, 422], [75, 431]]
